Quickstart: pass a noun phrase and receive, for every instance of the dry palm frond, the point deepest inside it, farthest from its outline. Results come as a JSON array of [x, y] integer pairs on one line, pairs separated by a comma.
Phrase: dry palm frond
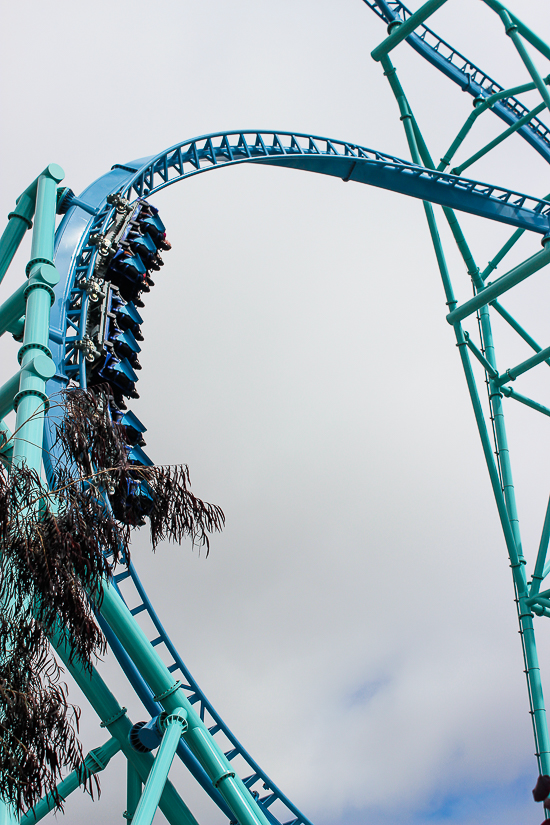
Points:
[[57, 544]]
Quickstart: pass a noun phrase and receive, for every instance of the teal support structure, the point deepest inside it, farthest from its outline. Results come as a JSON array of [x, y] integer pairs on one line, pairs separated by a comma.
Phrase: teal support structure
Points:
[[458, 170], [35, 357], [512, 278], [482, 106], [508, 392], [8, 391], [114, 718], [133, 791], [524, 30], [174, 724], [18, 222], [400, 33], [501, 477], [513, 32], [517, 327], [514, 372], [12, 310], [170, 695], [540, 565], [27, 313], [96, 761], [6, 444]]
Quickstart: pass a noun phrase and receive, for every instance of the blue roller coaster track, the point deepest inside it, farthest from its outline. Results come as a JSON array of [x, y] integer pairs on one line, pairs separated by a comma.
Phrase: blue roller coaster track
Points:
[[76, 257], [92, 234]]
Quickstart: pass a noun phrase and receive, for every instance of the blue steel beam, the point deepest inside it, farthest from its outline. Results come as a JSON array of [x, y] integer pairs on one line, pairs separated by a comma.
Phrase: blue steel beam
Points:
[[343, 160]]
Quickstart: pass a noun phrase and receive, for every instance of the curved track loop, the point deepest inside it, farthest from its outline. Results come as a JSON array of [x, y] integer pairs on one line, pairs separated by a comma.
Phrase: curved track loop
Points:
[[347, 161], [70, 246], [75, 258], [466, 74], [75, 255]]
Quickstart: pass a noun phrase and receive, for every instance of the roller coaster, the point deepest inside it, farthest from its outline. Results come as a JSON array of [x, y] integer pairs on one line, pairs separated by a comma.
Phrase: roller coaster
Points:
[[78, 319]]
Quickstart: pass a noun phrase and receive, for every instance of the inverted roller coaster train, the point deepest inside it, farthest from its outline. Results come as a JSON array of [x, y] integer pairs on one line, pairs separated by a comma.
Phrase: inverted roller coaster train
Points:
[[78, 319]]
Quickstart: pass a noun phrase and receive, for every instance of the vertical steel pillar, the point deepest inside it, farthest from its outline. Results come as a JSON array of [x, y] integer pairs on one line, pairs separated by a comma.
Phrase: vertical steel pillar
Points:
[[34, 356], [505, 496], [525, 616], [133, 791]]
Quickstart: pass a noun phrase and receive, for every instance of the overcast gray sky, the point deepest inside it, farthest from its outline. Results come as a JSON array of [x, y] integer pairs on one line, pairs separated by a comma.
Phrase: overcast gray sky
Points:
[[354, 624]]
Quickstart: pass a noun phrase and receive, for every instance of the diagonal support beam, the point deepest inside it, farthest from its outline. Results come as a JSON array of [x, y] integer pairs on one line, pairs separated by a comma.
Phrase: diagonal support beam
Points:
[[524, 30], [512, 30], [517, 327], [96, 761], [534, 405], [171, 696], [480, 357], [525, 366], [18, 222], [499, 287], [401, 32], [540, 564], [458, 170], [116, 721]]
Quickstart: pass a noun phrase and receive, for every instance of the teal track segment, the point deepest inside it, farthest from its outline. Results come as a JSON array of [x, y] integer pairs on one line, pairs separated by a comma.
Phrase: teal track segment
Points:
[[254, 777]]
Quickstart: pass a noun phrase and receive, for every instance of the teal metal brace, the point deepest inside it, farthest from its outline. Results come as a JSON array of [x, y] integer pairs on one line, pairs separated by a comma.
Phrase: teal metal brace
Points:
[[18, 222], [13, 309], [6, 445], [133, 791], [512, 30], [404, 29], [115, 719], [482, 106], [96, 761], [458, 170], [170, 695], [517, 327], [534, 405], [524, 30], [31, 400], [174, 724], [500, 286], [540, 572], [525, 366]]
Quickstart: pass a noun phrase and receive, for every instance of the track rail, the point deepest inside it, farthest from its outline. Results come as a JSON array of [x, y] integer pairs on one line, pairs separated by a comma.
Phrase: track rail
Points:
[[265, 791], [465, 74], [347, 161], [75, 257]]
